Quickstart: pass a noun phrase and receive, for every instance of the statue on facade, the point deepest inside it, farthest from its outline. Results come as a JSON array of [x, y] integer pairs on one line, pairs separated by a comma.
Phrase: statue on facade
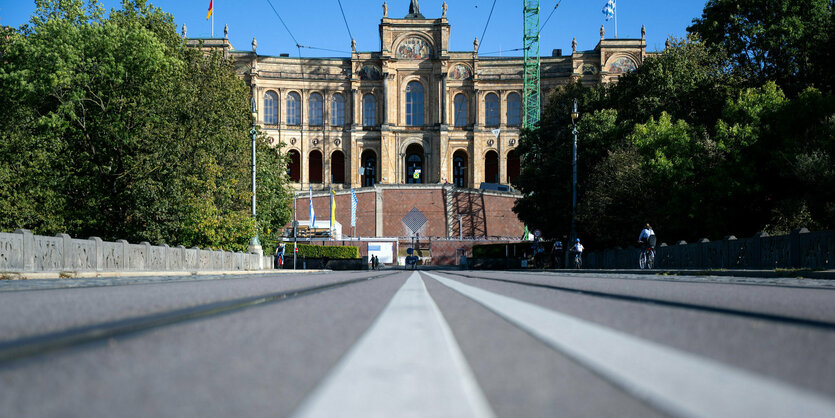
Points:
[[184, 30], [414, 8], [353, 45], [602, 32], [225, 31], [574, 46], [385, 9], [643, 32], [475, 44], [443, 10], [254, 44]]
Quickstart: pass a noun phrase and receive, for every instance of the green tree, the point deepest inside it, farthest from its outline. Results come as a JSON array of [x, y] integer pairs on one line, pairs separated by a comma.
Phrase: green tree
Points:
[[786, 41], [126, 132]]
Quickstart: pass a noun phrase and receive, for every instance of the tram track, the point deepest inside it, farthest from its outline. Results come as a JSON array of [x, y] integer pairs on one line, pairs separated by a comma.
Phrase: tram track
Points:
[[32, 346], [783, 319]]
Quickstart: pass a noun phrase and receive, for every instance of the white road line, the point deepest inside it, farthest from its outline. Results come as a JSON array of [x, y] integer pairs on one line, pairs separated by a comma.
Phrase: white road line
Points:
[[406, 364], [676, 382]]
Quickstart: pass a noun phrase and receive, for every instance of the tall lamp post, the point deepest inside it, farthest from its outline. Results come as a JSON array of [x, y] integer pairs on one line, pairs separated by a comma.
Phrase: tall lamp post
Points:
[[254, 243], [574, 116]]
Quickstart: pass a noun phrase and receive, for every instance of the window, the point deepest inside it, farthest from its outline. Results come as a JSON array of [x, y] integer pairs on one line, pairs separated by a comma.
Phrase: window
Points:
[[491, 110], [315, 109], [491, 167], [414, 164], [314, 166], [369, 168], [459, 169], [294, 107], [294, 168], [512, 166], [460, 105], [369, 110], [270, 108], [337, 167], [337, 110], [514, 110], [414, 104]]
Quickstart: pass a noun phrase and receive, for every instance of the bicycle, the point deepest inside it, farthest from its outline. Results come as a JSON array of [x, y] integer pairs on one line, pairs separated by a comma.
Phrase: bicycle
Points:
[[647, 258], [578, 259]]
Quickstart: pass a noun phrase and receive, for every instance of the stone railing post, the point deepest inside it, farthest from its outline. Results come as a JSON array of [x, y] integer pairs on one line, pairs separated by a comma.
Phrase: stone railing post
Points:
[[794, 247], [146, 266], [67, 251], [28, 255], [757, 245], [98, 254], [727, 257]]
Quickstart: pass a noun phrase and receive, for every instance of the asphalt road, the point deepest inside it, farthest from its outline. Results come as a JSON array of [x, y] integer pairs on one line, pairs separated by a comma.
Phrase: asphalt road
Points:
[[436, 343]]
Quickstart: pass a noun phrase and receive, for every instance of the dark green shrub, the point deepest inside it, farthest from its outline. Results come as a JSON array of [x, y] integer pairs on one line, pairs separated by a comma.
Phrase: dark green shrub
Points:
[[320, 251]]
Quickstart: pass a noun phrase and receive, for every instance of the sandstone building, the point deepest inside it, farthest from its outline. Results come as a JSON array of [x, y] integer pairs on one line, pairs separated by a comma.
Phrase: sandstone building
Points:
[[412, 111]]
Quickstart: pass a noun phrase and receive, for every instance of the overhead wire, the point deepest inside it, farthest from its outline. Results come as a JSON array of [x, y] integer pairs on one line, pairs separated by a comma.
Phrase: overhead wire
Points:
[[485, 25], [549, 17], [345, 20]]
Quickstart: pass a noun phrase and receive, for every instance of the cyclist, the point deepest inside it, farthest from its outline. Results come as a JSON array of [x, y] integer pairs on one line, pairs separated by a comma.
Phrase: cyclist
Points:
[[647, 242], [557, 253], [577, 249], [644, 237]]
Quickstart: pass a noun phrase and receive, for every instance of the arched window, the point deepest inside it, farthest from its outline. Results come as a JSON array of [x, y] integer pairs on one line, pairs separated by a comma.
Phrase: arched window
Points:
[[491, 167], [337, 167], [294, 108], [294, 169], [414, 164], [314, 166], [270, 108], [491, 110], [369, 168], [512, 166], [314, 104], [337, 110], [460, 105], [514, 110], [369, 110], [414, 104], [459, 169]]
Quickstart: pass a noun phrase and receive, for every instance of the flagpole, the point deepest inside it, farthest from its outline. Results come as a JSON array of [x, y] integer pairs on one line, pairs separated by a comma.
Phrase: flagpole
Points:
[[616, 21], [213, 24]]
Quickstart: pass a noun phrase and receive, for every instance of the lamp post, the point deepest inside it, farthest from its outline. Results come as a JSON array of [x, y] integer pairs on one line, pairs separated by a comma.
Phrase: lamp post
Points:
[[574, 116], [254, 243]]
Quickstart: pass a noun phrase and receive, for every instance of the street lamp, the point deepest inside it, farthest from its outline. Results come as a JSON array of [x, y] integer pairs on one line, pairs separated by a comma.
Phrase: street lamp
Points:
[[574, 116], [254, 243]]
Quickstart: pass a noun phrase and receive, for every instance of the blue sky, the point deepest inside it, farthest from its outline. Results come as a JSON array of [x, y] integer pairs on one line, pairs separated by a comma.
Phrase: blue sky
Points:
[[319, 23]]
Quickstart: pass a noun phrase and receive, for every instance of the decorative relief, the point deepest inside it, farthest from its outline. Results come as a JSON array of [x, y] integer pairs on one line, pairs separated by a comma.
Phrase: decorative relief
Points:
[[512, 142], [155, 259], [414, 49], [589, 69], [228, 260], [460, 72], [113, 259], [622, 65], [205, 259], [175, 258], [137, 257], [48, 253], [490, 142], [315, 142], [292, 141], [10, 251], [81, 259], [191, 258], [336, 141], [370, 73]]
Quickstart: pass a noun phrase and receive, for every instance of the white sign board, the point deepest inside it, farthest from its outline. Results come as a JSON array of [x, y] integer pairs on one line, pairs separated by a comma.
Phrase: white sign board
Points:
[[383, 251]]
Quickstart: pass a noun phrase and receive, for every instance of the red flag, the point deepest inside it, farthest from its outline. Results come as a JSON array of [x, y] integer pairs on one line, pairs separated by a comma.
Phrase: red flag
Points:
[[210, 10]]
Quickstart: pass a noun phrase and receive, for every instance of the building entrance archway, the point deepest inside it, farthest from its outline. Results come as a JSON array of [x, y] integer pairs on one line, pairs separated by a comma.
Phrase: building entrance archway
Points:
[[414, 164]]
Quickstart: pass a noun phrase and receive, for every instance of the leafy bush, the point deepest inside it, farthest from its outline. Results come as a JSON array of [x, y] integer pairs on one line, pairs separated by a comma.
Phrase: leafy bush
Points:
[[320, 251]]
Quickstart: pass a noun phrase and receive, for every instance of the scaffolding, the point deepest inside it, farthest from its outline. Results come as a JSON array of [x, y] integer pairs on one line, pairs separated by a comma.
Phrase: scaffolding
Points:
[[530, 44]]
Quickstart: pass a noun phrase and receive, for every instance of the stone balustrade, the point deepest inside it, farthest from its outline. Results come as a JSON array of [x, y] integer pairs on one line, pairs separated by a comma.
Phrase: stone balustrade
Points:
[[799, 250], [24, 252]]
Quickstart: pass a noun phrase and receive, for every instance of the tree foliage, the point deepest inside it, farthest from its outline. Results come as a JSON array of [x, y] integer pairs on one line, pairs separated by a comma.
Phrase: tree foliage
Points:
[[116, 129], [687, 143]]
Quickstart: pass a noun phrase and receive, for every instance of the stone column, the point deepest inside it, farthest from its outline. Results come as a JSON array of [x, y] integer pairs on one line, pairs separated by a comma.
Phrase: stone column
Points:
[[384, 103], [354, 108], [443, 99]]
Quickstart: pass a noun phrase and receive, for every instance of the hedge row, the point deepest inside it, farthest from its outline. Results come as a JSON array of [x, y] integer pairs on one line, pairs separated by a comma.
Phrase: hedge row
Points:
[[320, 251]]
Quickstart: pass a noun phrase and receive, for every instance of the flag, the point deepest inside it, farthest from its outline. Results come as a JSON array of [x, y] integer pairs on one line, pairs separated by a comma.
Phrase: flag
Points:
[[312, 213], [333, 209], [609, 9], [210, 10], [353, 208]]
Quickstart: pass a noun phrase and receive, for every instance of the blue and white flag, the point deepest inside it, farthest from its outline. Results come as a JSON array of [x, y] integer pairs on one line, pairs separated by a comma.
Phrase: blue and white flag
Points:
[[353, 208], [312, 213], [609, 9]]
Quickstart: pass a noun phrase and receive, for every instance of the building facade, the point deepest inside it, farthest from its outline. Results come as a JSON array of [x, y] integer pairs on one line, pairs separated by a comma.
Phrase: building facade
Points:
[[411, 112]]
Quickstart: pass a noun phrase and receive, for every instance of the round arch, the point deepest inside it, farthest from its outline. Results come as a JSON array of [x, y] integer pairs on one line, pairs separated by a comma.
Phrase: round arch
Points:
[[414, 160], [491, 167], [460, 165], [294, 167], [337, 167], [368, 163], [314, 166]]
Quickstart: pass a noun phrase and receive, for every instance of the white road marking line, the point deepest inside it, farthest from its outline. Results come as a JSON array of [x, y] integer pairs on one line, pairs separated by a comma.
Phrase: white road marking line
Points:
[[406, 364], [676, 382]]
